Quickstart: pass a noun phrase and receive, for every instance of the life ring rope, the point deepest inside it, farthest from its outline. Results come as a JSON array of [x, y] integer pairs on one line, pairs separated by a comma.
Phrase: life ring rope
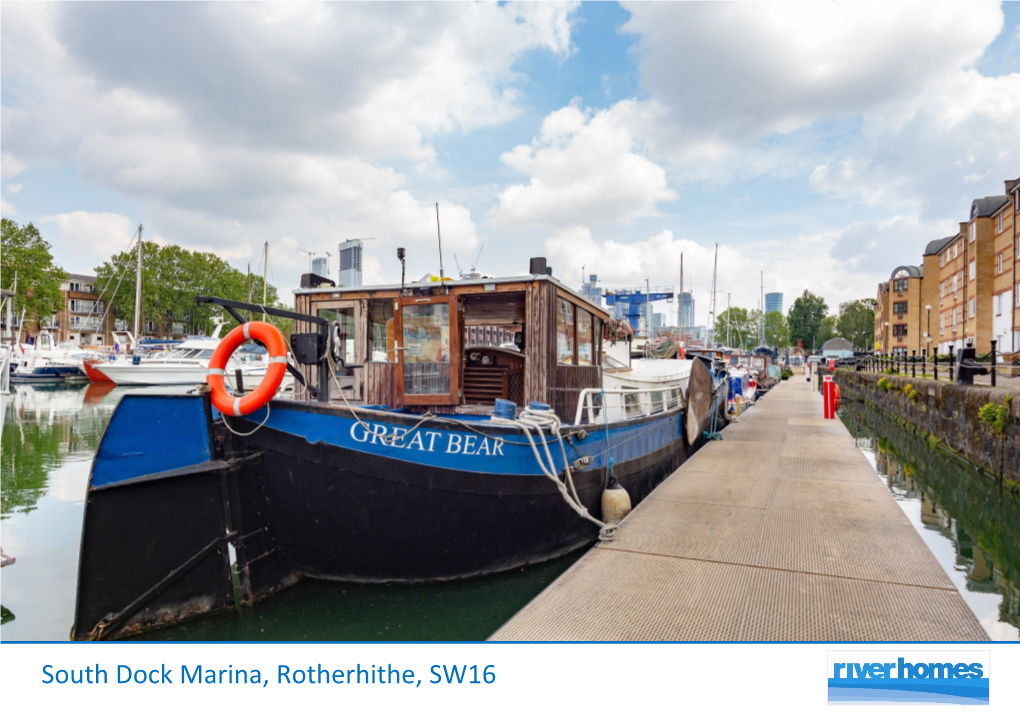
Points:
[[268, 335]]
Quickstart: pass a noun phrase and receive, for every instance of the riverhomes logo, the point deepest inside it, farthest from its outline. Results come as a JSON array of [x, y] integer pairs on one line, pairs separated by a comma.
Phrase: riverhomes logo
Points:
[[908, 677]]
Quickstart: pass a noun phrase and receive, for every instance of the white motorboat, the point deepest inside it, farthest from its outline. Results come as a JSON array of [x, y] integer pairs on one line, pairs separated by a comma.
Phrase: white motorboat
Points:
[[47, 361]]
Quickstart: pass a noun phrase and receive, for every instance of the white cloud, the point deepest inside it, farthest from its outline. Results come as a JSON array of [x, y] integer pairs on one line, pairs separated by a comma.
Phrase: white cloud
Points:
[[584, 166], [237, 123], [10, 166], [957, 143], [735, 72], [790, 266], [6, 208], [13, 188], [89, 237]]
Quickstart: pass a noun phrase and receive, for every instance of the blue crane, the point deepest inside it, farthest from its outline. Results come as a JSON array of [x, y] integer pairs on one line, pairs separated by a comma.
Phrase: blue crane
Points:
[[635, 299]]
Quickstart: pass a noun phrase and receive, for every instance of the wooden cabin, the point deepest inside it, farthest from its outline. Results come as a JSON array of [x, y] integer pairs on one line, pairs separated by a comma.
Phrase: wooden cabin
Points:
[[412, 344]]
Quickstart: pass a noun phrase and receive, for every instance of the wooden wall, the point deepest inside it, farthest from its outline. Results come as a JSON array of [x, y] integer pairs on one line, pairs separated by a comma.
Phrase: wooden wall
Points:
[[381, 383]]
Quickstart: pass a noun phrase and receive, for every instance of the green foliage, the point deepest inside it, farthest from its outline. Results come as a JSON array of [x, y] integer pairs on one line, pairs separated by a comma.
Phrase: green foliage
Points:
[[805, 318], [736, 327], [856, 323], [787, 373], [777, 330], [910, 391], [826, 329], [883, 384], [26, 253], [996, 416], [171, 278]]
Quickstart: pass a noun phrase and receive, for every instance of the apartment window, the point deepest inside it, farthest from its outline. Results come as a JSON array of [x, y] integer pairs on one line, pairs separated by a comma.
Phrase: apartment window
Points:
[[942, 291], [1018, 247], [1017, 296], [942, 259], [999, 225], [900, 286], [972, 270], [956, 283], [973, 231], [998, 305], [899, 330], [899, 308], [999, 263], [956, 250], [970, 307], [942, 322]]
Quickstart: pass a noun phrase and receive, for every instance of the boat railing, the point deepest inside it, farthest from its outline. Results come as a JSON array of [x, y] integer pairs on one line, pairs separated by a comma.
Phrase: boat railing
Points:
[[615, 405]]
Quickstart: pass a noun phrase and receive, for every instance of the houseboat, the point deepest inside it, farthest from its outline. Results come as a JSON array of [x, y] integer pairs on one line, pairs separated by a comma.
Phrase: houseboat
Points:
[[411, 451]]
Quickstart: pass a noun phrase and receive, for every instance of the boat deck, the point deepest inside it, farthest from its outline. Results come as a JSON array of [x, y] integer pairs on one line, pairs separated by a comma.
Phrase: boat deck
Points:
[[782, 531]]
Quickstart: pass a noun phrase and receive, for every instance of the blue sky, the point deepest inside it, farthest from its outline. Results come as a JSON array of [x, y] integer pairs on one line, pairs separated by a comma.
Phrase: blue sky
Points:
[[822, 144]]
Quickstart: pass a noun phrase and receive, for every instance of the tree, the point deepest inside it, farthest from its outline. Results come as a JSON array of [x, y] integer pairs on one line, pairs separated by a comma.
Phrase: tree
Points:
[[731, 327], [806, 315], [826, 329], [27, 254], [856, 323], [777, 331], [171, 278]]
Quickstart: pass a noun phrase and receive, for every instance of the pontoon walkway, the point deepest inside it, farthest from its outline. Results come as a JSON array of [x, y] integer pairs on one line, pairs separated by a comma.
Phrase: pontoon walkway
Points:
[[782, 531]]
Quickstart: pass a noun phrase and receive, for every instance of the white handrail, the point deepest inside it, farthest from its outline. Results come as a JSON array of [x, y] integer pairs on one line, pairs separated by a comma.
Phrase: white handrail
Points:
[[585, 400]]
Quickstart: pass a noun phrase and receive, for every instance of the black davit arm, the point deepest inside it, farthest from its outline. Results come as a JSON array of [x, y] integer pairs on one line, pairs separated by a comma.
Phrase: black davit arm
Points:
[[231, 306]]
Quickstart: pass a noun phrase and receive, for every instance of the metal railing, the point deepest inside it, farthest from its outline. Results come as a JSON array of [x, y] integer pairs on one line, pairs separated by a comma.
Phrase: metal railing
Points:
[[617, 405]]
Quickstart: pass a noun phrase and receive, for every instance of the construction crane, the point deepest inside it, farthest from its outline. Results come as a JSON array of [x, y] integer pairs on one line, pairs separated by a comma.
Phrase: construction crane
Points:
[[635, 299], [310, 253]]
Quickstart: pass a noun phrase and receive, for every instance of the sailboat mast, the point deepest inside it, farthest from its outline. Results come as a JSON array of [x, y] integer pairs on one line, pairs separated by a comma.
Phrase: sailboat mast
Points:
[[265, 278], [138, 284], [715, 270], [681, 316]]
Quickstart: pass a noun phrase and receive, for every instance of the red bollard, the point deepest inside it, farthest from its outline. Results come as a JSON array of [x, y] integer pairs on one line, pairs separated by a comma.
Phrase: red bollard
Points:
[[829, 397]]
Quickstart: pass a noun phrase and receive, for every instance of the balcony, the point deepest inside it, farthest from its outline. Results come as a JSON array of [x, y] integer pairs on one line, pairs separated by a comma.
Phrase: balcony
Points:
[[86, 324]]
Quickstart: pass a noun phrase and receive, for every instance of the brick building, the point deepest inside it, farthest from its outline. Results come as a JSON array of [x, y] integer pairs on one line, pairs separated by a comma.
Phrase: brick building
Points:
[[970, 280]]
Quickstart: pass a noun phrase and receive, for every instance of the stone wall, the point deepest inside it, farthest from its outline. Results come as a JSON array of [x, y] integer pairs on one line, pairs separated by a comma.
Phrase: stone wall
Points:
[[948, 413]]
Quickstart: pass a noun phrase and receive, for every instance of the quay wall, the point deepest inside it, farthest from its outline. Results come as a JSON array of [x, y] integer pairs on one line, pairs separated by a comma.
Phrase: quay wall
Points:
[[947, 415]]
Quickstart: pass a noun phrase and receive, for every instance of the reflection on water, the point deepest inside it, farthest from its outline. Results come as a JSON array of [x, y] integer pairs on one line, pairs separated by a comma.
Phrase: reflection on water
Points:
[[970, 522], [50, 434]]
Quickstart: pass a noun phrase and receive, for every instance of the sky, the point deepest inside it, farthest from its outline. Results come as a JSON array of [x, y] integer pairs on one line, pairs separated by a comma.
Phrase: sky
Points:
[[818, 144]]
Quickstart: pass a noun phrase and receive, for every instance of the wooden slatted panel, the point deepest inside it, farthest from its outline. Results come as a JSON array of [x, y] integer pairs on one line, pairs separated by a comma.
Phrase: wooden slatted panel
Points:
[[570, 381], [485, 384], [380, 383]]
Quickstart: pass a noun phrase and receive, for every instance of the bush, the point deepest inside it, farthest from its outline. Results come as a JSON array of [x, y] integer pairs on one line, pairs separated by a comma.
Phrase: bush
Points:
[[787, 373], [910, 391], [996, 416], [883, 384]]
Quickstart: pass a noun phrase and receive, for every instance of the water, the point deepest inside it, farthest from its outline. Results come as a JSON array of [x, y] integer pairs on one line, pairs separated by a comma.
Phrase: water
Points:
[[969, 521], [50, 434]]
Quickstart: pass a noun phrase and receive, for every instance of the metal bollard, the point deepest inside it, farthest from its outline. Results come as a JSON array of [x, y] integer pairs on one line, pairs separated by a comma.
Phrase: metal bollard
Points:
[[924, 364], [913, 363], [951, 377], [992, 366]]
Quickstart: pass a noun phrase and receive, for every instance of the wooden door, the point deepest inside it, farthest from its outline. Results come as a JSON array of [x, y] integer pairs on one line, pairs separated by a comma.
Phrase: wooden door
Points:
[[428, 350]]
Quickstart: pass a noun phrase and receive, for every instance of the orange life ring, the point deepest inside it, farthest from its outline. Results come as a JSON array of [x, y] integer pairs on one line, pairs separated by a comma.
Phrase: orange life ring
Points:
[[270, 336], [835, 406]]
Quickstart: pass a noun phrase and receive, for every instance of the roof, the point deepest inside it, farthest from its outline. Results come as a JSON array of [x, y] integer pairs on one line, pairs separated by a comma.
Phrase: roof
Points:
[[936, 246], [988, 206], [906, 271], [837, 344], [86, 278], [1013, 185]]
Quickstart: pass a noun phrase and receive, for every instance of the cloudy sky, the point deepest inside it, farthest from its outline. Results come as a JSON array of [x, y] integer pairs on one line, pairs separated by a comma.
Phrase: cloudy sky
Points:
[[823, 143]]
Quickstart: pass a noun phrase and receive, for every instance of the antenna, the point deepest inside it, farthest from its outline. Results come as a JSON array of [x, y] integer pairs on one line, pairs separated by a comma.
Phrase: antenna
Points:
[[310, 253], [715, 268], [439, 234]]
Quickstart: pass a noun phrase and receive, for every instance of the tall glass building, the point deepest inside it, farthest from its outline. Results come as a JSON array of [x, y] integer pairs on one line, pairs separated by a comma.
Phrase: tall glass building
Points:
[[774, 302], [350, 264]]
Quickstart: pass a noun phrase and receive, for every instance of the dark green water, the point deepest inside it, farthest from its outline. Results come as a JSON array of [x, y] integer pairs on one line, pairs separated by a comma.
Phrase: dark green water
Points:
[[970, 522], [49, 436]]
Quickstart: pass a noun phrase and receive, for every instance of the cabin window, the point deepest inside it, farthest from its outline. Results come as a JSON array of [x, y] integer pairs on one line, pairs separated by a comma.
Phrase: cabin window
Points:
[[345, 317], [565, 332], [585, 340], [426, 359], [381, 336]]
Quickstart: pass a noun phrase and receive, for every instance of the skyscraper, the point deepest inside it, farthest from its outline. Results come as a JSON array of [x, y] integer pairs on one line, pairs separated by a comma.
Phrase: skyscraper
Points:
[[319, 266], [349, 275], [773, 302], [591, 290], [685, 313]]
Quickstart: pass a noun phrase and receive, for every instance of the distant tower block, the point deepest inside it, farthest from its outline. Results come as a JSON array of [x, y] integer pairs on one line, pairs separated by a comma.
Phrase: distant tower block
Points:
[[773, 302], [319, 266], [350, 264]]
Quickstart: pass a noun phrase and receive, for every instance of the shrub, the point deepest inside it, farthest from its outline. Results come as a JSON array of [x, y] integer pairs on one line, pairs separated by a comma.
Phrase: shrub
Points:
[[787, 373], [996, 416], [910, 391], [883, 384]]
